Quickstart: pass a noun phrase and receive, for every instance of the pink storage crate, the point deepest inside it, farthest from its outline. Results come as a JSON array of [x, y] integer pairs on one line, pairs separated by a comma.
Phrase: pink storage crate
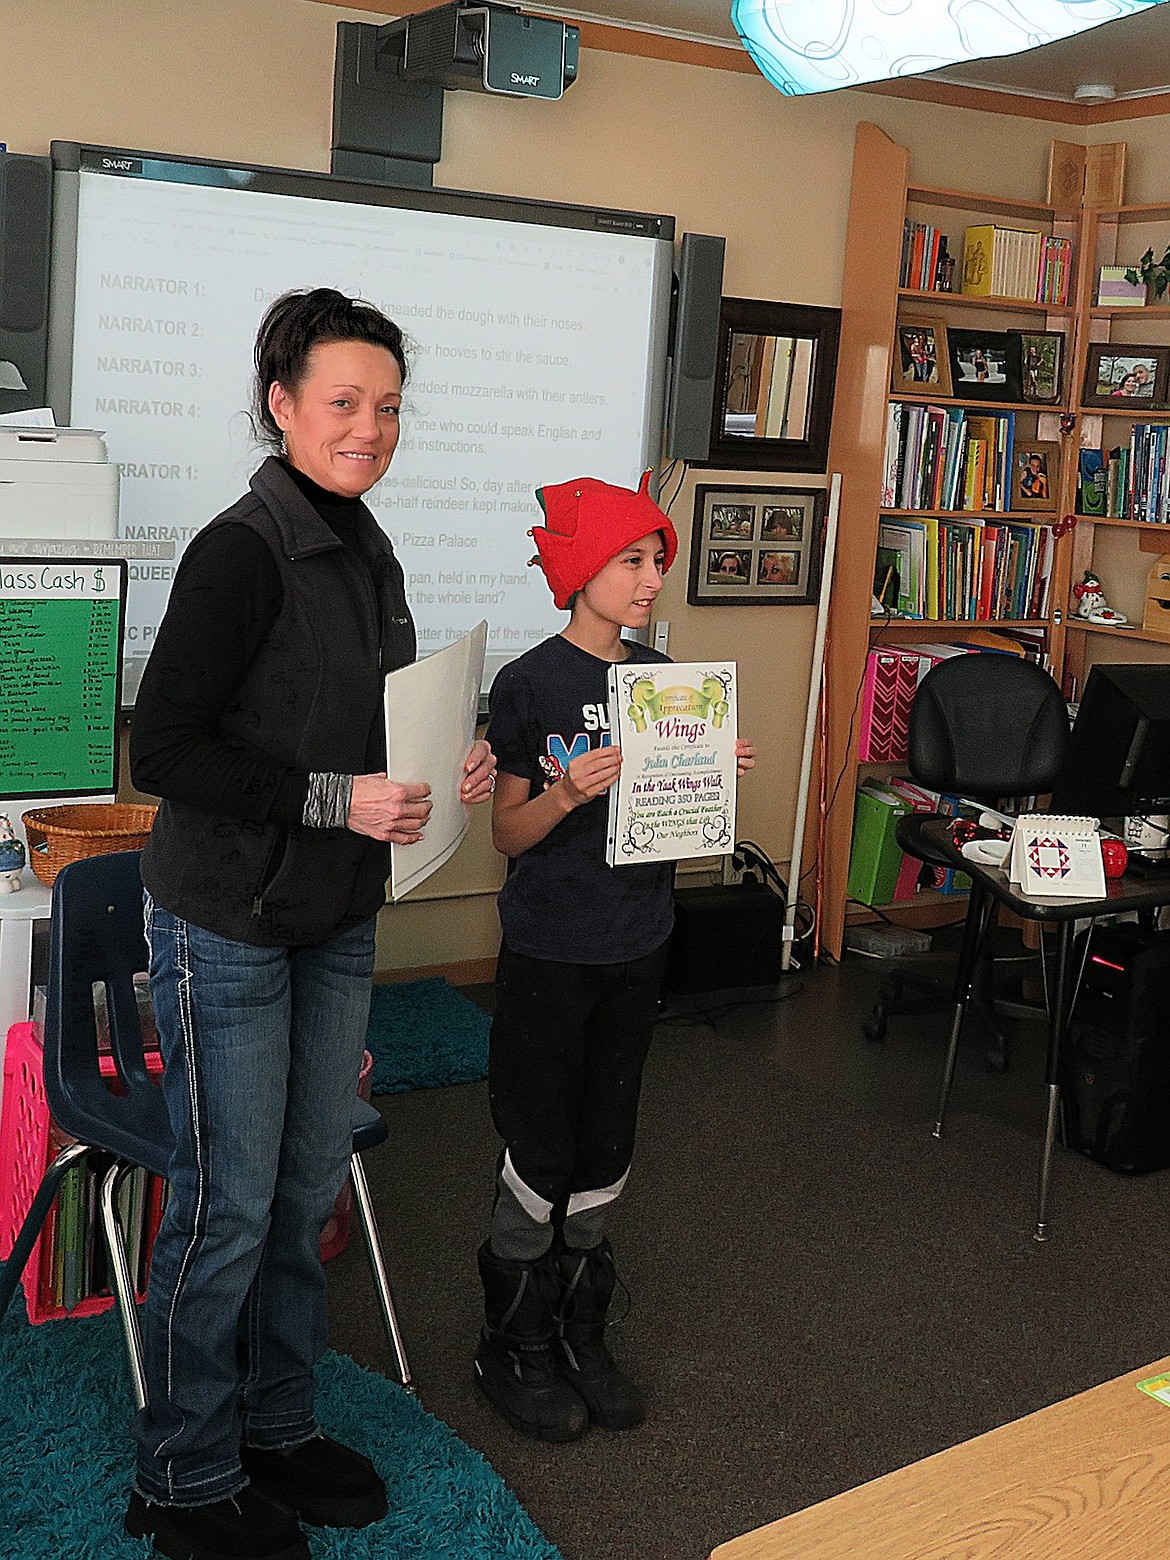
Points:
[[25, 1153]]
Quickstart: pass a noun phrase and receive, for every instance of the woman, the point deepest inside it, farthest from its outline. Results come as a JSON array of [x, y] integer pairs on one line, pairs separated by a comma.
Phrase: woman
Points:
[[259, 724]]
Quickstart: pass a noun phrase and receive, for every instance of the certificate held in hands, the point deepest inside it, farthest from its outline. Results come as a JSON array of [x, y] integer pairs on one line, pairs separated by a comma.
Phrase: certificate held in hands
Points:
[[431, 709], [675, 723]]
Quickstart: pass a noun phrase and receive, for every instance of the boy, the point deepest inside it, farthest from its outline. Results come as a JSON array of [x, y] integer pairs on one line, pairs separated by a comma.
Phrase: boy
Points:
[[579, 974]]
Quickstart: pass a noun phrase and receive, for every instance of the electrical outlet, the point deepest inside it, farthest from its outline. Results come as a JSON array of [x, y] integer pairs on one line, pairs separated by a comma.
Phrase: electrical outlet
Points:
[[661, 635]]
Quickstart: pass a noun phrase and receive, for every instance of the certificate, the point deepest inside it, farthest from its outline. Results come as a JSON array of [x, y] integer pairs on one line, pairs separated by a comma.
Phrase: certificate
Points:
[[675, 723], [431, 709]]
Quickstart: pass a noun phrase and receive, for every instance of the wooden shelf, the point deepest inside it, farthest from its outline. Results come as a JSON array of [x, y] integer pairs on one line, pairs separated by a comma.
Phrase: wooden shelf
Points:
[[1145, 311], [975, 403], [987, 516], [926, 195], [1140, 414], [1129, 525], [957, 623], [971, 300], [1144, 635], [1154, 213]]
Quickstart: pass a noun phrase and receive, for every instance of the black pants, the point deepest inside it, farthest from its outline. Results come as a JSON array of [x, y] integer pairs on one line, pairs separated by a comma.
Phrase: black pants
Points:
[[568, 1045]]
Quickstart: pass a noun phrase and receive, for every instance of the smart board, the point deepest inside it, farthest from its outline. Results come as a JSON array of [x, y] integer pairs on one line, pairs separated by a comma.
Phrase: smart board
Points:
[[60, 664], [539, 341]]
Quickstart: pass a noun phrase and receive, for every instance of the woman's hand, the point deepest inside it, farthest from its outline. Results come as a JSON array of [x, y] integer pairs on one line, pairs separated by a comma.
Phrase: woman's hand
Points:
[[479, 774], [591, 774], [385, 810], [745, 756]]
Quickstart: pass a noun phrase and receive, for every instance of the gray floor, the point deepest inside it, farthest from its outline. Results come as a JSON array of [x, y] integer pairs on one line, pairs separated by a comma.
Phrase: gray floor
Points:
[[821, 1292]]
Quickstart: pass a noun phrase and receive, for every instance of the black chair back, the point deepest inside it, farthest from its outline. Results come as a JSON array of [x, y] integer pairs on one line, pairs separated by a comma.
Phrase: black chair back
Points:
[[988, 725], [96, 939]]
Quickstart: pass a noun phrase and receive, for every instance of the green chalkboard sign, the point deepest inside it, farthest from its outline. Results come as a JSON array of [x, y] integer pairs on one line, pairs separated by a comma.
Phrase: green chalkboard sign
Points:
[[60, 675]]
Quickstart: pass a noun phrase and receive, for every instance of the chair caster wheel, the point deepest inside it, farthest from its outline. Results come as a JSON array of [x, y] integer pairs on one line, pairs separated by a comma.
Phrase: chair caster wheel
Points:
[[874, 1027]]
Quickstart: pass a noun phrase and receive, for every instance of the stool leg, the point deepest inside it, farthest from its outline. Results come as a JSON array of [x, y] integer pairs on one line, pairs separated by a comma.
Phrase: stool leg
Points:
[[13, 1266], [365, 1207], [123, 1280], [1057, 1018], [979, 908]]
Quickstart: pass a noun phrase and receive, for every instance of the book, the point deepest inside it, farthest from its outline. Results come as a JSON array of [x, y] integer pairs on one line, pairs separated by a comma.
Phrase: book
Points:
[[1113, 291], [1091, 482], [675, 796], [1057, 857]]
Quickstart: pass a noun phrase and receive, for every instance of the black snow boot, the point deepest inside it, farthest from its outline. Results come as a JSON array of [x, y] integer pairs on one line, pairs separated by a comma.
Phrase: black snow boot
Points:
[[614, 1400], [516, 1363]]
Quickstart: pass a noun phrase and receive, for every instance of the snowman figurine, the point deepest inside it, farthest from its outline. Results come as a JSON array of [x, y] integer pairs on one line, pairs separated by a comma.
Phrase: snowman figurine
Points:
[[11, 857], [1092, 605]]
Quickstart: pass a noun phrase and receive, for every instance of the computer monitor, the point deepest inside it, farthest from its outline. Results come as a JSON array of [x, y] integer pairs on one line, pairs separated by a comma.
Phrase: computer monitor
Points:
[[1119, 757]]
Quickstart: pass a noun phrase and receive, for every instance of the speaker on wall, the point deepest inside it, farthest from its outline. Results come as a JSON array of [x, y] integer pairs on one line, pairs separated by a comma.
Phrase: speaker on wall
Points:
[[26, 208], [696, 347]]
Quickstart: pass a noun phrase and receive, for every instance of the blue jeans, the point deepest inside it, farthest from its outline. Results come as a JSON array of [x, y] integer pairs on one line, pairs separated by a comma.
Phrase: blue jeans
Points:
[[262, 1050]]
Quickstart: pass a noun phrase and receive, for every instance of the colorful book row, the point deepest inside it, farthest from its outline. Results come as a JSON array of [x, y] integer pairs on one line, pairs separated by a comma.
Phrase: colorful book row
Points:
[[926, 265], [1129, 482], [73, 1248], [962, 571], [1001, 262], [880, 873], [945, 457]]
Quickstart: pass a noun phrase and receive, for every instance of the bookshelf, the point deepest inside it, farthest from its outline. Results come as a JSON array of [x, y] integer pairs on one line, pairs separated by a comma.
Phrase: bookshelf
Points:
[[873, 303], [1116, 547]]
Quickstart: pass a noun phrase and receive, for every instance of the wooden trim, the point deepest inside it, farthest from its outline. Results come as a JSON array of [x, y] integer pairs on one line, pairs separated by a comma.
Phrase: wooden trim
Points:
[[597, 35], [873, 249], [690, 51], [466, 972]]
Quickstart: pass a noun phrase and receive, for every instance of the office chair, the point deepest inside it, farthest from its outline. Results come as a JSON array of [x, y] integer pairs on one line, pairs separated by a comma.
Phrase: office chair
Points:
[[982, 726], [96, 937]]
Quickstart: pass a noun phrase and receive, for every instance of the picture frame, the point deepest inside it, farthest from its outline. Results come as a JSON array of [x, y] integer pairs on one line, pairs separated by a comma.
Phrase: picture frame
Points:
[[985, 365], [1035, 475], [922, 364], [1120, 373], [754, 547], [1041, 359]]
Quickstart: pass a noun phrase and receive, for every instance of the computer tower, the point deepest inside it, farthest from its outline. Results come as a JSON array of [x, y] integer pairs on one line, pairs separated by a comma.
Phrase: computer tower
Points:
[[725, 935], [1115, 1068]]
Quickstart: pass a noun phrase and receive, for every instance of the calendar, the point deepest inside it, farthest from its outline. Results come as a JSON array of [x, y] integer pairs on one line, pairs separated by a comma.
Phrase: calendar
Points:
[[1055, 857]]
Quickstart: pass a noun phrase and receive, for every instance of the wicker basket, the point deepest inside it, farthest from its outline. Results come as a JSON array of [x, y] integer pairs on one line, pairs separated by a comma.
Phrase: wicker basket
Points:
[[59, 835]]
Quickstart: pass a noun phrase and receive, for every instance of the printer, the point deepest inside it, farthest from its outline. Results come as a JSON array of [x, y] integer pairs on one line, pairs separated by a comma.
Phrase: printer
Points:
[[56, 483]]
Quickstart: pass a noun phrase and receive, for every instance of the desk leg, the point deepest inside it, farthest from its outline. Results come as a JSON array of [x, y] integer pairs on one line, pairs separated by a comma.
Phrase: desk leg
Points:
[[979, 909], [1057, 1021]]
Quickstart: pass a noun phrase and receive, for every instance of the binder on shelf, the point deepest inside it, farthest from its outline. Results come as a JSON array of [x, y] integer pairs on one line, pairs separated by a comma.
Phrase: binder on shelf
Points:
[[875, 858]]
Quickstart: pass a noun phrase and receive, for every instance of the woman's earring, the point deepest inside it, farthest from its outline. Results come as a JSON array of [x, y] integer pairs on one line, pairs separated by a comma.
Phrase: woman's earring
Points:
[[283, 447]]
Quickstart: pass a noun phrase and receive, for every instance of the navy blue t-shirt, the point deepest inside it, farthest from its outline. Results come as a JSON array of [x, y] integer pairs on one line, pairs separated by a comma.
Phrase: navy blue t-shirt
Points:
[[561, 900]]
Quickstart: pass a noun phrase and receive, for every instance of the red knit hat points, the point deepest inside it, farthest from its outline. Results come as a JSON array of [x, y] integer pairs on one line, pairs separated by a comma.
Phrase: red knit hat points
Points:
[[588, 522]]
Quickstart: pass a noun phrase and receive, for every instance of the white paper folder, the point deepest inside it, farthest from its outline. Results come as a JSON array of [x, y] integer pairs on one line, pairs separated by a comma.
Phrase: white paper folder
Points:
[[431, 709]]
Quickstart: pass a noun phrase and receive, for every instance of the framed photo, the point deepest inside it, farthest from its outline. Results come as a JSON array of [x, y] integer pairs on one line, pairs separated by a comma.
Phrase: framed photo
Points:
[[756, 546], [985, 365], [1118, 372], [1041, 366], [921, 365], [1035, 475]]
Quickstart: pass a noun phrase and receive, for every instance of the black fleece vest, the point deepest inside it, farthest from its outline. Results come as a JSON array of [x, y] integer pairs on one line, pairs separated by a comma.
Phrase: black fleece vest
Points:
[[312, 700]]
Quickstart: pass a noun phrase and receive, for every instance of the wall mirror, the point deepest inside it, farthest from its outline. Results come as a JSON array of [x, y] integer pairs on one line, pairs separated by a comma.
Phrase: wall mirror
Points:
[[773, 385]]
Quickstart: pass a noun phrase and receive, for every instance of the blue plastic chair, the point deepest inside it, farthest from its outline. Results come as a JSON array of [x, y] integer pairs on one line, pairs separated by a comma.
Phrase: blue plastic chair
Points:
[[96, 937]]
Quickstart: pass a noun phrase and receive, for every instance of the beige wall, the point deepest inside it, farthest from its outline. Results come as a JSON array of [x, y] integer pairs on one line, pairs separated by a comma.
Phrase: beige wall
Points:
[[723, 152]]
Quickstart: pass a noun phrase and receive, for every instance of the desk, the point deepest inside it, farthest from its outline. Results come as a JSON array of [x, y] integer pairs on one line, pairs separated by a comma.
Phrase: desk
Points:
[[17, 914], [1086, 1479], [990, 885]]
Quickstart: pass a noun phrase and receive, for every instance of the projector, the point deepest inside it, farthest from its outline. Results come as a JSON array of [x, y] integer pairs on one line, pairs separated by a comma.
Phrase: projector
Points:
[[490, 48]]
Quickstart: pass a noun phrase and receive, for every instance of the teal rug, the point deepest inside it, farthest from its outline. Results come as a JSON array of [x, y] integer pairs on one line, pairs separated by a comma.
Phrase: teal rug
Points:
[[424, 1034], [66, 1468]]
